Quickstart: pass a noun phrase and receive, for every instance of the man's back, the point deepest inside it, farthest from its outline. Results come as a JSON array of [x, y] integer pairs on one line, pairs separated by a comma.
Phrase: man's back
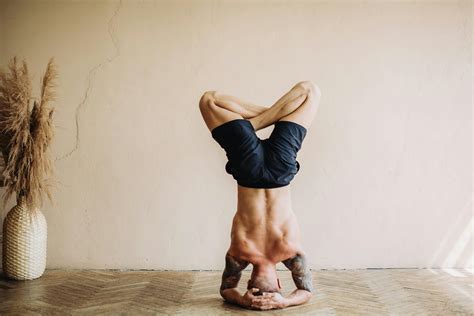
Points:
[[264, 229]]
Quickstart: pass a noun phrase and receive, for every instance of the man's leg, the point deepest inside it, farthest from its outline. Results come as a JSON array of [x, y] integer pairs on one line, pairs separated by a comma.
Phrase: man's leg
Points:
[[218, 108], [298, 105]]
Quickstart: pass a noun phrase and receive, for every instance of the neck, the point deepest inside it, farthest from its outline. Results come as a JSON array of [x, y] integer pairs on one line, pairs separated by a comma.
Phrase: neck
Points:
[[264, 268]]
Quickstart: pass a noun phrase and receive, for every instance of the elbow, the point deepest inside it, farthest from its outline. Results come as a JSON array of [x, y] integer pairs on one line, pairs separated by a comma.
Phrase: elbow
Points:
[[307, 292], [224, 293], [307, 296]]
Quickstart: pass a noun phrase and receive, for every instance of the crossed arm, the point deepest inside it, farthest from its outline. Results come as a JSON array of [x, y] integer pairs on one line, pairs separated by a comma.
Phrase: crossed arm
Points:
[[304, 287], [230, 280], [303, 279], [299, 271]]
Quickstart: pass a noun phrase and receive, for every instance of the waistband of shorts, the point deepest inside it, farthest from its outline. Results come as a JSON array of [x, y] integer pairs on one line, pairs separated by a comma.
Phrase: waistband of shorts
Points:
[[292, 123], [266, 185]]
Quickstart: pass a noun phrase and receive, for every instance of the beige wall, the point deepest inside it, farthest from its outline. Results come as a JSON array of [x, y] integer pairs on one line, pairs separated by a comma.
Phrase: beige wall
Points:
[[386, 172]]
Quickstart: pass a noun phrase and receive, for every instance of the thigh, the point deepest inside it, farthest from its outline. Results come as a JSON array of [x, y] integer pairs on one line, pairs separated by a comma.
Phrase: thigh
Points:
[[241, 144], [286, 140], [305, 113], [282, 148]]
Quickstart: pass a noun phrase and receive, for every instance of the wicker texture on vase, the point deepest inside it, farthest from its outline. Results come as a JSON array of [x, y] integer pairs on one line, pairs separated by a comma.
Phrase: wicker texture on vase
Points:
[[24, 244]]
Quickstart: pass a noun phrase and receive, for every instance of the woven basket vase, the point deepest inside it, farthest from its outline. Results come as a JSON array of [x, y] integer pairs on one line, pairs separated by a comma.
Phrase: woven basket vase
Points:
[[24, 242]]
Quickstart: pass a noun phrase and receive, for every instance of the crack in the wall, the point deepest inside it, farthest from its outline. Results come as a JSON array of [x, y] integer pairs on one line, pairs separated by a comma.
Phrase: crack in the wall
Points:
[[90, 76]]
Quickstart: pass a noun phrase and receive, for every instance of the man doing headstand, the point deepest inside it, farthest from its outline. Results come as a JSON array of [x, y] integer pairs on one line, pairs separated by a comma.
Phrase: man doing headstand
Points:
[[264, 229]]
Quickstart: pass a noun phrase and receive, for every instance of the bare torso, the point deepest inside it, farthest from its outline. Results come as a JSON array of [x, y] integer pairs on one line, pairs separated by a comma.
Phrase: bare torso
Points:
[[264, 229]]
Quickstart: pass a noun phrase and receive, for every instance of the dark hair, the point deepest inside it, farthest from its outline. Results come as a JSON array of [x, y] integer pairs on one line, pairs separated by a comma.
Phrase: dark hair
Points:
[[264, 284]]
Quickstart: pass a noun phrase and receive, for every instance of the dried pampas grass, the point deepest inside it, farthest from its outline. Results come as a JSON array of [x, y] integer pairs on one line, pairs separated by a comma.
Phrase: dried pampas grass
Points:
[[25, 134]]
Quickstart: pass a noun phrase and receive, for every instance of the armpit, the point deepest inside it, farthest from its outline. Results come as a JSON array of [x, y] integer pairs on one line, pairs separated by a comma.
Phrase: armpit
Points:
[[300, 272]]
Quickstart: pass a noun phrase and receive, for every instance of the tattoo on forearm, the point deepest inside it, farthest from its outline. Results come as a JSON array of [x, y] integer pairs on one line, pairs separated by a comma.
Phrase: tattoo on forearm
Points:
[[300, 272], [232, 272]]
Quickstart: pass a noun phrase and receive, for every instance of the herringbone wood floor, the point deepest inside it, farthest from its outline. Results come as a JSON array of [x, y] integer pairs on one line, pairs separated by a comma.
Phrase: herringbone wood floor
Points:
[[338, 292]]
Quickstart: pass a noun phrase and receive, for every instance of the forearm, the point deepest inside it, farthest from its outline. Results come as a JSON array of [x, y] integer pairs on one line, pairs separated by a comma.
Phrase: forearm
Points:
[[302, 277], [298, 297]]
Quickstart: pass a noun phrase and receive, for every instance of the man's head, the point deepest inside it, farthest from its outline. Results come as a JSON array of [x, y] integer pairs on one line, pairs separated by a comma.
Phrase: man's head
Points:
[[265, 279]]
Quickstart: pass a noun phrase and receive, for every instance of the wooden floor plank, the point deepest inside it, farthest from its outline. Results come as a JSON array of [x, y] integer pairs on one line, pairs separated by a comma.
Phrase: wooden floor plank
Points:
[[338, 292]]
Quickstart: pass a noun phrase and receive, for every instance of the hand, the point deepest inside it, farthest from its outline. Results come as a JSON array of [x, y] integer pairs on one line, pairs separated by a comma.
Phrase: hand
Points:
[[249, 297], [269, 301]]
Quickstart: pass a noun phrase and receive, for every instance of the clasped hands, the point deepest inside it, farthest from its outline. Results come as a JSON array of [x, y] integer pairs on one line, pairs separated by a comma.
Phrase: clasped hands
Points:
[[265, 301]]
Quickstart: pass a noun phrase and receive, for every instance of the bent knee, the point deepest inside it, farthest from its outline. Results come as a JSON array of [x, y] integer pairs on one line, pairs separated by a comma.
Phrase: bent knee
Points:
[[309, 87], [207, 99]]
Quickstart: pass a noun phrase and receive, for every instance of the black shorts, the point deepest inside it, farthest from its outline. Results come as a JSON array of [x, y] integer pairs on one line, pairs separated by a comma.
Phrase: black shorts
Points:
[[257, 163]]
